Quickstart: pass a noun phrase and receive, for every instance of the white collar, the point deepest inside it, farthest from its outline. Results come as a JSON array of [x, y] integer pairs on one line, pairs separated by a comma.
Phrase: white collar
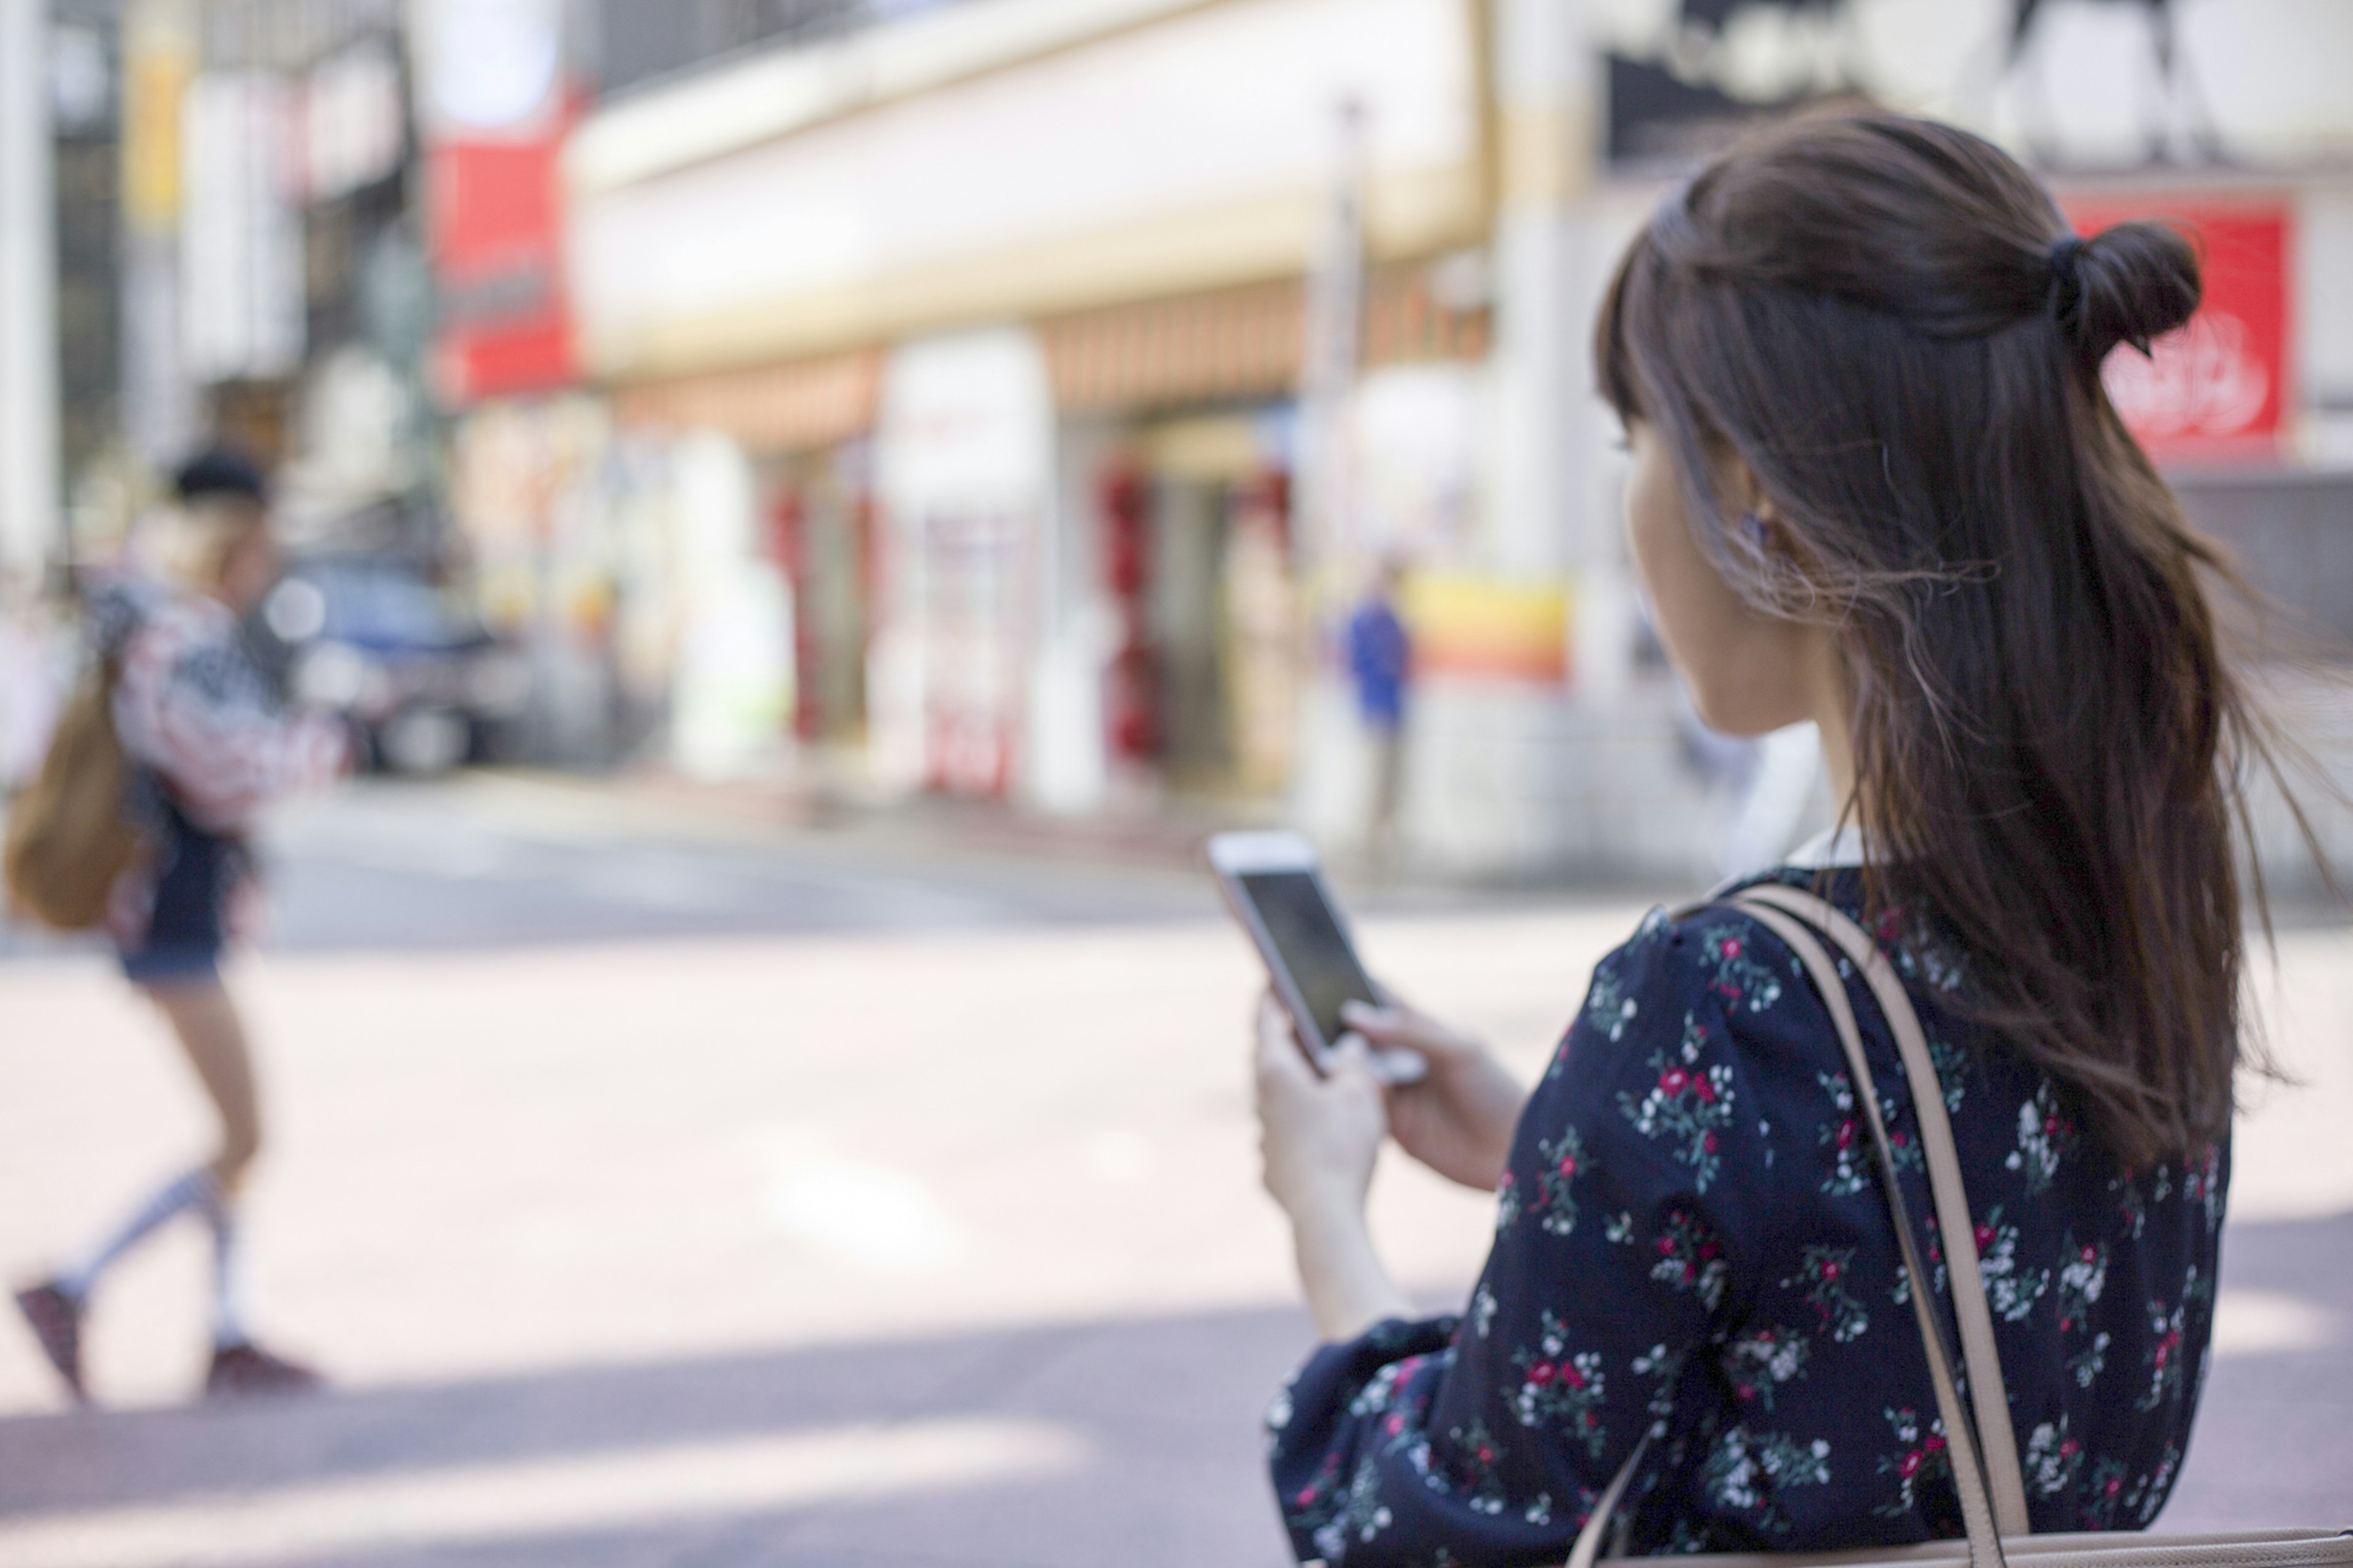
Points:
[[1830, 848]]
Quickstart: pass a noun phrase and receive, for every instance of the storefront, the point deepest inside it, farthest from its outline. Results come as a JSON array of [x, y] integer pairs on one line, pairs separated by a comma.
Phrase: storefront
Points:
[[1008, 309], [1018, 376], [803, 432]]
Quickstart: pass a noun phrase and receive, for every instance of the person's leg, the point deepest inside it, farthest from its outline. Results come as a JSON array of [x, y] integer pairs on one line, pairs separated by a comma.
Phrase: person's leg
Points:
[[186, 989], [188, 1190], [54, 1307], [210, 1030], [205, 1020], [1389, 789]]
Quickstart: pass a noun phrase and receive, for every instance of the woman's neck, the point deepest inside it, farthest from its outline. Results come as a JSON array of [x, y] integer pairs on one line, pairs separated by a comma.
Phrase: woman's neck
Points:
[[1832, 709]]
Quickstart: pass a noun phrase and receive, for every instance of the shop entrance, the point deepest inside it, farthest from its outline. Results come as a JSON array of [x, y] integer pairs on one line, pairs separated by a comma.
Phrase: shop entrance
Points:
[[1216, 606], [821, 512]]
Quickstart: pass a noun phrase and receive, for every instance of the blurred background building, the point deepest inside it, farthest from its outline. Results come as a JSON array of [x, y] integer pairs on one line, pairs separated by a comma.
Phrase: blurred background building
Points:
[[1009, 399]]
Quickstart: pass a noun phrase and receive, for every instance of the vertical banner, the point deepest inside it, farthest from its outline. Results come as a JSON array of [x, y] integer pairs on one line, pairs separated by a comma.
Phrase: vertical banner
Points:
[[1327, 379], [965, 476], [495, 108], [351, 124], [159, 61], [241, 238], [2218, 389], [29, 325]]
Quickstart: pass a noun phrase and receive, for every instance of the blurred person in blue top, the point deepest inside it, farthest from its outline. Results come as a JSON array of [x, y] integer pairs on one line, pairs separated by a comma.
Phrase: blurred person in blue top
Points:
[[1381, 666], [1876, 483], [210, 743]]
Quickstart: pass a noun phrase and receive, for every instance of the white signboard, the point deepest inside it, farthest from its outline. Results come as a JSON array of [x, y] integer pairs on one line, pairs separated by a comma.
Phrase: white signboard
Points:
[[241, 281], [964, 472]]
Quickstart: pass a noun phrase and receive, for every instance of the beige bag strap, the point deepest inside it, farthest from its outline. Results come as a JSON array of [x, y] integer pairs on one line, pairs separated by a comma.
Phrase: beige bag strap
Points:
[[1978, 1508], [1996, 1438]]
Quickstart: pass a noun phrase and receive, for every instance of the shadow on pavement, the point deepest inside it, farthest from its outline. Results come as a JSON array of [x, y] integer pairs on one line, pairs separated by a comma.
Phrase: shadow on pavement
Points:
[[1156, 1419], [1163, 1413]]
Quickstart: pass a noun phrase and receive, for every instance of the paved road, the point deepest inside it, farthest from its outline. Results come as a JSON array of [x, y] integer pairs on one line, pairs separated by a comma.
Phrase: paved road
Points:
[[508, 861], [660, 1193]]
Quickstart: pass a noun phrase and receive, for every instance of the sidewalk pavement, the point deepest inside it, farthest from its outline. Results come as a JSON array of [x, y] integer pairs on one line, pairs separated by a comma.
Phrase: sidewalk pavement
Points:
[[876, 1247]]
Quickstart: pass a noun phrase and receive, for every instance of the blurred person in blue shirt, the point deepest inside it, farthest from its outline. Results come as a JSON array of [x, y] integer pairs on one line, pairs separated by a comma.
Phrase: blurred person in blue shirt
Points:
[[1381, 666]]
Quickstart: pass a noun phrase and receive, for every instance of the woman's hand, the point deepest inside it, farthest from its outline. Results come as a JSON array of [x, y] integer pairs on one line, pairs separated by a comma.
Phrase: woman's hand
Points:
[[1319, 1137], [1459, 1119]]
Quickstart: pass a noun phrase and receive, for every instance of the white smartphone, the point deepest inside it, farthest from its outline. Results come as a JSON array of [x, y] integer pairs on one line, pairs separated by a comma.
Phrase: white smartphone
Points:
[[1275, 884]]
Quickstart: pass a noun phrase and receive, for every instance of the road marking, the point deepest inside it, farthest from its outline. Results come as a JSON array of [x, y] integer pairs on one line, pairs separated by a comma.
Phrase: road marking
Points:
[[520, 1498], [2264, 1322], [680, 884], [872, 1216]]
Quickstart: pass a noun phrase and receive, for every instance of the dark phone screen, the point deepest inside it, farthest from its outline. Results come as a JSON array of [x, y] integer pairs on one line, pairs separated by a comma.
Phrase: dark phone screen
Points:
[[1291, 905]]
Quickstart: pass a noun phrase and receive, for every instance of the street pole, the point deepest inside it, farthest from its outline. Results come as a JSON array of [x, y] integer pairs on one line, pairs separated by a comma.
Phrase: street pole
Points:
[[1546, 446], [159, 59], [28, 307]]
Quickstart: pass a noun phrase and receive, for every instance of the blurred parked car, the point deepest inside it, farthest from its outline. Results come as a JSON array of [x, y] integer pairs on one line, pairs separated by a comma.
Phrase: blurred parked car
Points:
[[374, 639]]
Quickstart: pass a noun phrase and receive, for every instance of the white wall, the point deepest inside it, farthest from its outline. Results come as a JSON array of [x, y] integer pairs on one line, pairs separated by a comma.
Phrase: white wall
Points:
[[1226, 106], [2324, 304], [28, 345]]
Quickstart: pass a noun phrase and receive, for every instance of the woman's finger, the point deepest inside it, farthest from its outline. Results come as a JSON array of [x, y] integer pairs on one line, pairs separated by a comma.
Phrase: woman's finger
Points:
[[1395, 1026], [1278, 1057], [1352, 1058]]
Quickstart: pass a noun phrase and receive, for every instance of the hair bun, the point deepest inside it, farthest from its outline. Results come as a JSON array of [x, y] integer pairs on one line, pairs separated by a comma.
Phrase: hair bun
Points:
[[2132, 283]]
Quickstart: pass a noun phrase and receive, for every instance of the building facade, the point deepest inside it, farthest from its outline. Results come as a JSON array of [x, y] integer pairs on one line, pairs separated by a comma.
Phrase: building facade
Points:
[[1068, 368]]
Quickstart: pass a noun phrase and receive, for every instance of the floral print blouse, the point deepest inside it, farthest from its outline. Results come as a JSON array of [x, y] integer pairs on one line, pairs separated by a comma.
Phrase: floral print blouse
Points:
[[1690, 1242], [194, 708]]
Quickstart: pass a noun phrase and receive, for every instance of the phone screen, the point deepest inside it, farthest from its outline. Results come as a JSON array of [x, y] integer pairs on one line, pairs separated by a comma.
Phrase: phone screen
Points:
[[1292, 906]]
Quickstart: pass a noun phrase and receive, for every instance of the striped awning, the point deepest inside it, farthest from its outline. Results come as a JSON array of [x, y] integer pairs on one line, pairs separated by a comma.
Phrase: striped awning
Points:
[[1238, 343], [1221, 346], [799, 406]]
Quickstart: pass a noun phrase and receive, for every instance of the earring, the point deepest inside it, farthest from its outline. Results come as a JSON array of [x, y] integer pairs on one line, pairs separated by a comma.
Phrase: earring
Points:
[[1752, 528]]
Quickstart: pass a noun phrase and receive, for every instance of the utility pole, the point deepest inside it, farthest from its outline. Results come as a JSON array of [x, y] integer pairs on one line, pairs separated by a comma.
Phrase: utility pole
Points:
[[159, 60], [1547, 133], [28, 312]]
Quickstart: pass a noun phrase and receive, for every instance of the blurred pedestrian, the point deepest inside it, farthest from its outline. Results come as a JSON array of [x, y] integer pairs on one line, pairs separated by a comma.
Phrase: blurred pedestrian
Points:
[[1380, 665], [208, 744]]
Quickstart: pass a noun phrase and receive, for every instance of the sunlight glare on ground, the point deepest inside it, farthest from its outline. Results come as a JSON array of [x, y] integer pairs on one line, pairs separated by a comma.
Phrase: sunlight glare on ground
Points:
[[480, 1503]]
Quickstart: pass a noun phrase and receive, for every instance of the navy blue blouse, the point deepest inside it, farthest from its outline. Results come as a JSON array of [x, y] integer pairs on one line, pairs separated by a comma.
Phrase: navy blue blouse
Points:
[[1690, 1242]]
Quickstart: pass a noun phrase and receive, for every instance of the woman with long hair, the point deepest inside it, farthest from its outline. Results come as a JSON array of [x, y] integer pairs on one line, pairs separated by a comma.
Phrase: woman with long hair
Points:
[[1875, 483], [210, 744]]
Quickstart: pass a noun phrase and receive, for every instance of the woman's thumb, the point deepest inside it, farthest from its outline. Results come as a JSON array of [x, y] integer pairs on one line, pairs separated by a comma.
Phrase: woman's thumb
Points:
[[1352, 1054]]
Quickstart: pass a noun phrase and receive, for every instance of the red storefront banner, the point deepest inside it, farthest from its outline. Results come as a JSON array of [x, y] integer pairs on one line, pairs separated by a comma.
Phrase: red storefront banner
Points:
[[496, 222], [2221, 388], [495, 106]]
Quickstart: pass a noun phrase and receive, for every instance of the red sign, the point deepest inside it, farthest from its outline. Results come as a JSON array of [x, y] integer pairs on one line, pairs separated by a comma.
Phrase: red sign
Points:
[[496, 222], [2219, 388]]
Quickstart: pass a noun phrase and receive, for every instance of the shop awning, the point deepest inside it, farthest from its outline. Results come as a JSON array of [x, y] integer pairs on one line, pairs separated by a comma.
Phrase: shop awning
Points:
[[1237, 343], [797, 406]]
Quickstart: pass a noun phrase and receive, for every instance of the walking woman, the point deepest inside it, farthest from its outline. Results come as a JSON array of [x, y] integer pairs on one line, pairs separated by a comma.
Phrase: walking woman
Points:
[[209, 746], [1875, 483]]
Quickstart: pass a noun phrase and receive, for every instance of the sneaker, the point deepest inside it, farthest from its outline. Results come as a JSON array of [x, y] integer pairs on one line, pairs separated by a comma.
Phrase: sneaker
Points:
[[247, 1368], [55, 1318]]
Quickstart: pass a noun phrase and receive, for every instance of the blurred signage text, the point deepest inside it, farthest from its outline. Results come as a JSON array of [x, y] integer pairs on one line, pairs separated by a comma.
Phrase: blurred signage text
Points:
[[2218, 389], [494, 109]]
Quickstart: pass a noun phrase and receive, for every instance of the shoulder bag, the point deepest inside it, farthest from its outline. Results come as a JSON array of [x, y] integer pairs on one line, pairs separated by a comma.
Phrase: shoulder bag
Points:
[[68, 833], [1979, 1436]]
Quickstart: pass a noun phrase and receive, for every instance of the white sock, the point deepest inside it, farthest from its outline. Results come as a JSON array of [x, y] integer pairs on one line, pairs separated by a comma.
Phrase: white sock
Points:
[[228, 1275], [195, 1189]]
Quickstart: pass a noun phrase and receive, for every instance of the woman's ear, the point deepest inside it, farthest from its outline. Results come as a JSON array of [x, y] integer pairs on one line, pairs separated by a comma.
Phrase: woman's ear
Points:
[[1743, 496]]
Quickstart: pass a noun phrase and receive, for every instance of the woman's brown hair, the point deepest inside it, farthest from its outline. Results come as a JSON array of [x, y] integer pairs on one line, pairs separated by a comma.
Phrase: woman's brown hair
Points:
[[1891, 324]]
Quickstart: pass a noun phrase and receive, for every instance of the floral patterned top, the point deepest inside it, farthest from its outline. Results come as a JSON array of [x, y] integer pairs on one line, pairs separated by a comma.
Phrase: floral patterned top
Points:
[[1690, 1242]]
